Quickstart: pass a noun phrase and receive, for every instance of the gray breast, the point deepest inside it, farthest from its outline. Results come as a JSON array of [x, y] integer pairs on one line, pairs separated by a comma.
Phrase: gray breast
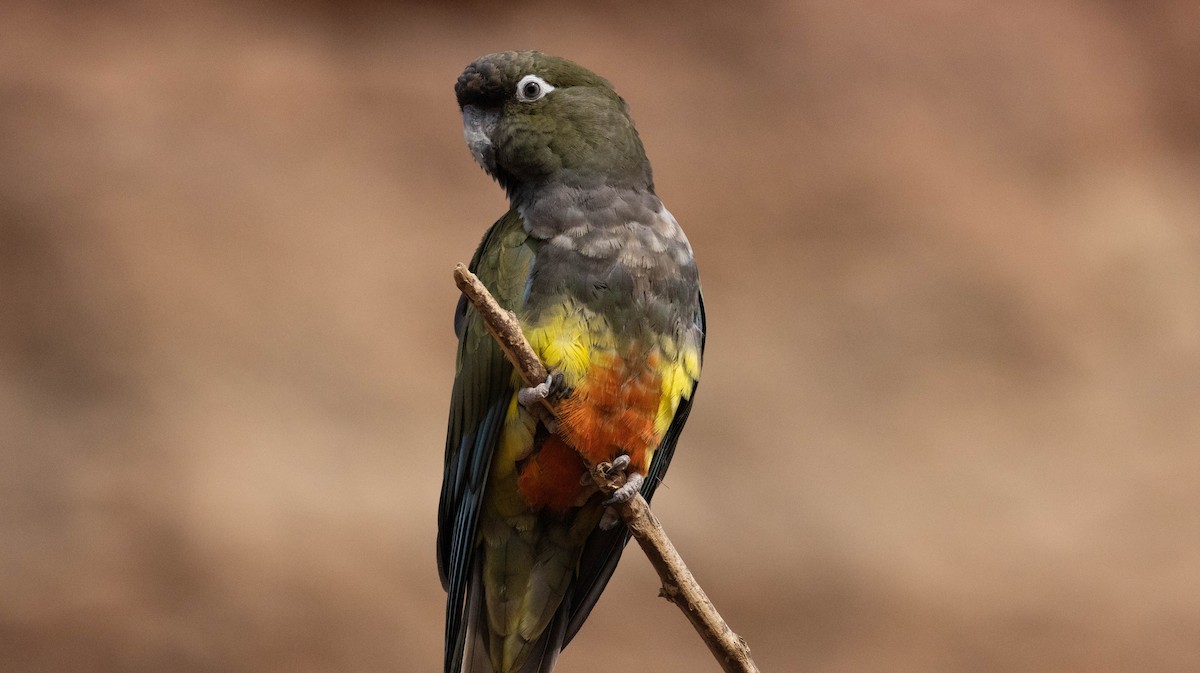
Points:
[[617, 253]]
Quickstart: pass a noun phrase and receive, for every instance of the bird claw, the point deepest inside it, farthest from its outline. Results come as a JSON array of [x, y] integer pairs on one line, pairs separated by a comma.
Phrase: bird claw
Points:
[[558, 386], [617, 466]]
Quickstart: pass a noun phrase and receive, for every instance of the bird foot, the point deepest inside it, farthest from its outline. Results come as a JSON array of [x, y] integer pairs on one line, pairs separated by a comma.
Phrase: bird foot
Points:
[[633, 483], [527, 397], [608, 471], [553, 388]]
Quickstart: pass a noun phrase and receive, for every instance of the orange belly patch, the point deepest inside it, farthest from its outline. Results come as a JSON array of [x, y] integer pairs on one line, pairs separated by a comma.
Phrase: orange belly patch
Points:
[[610, 412], [550, 478]]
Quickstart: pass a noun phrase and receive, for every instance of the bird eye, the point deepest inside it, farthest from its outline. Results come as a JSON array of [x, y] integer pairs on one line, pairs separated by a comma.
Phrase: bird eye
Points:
[[531, 88]]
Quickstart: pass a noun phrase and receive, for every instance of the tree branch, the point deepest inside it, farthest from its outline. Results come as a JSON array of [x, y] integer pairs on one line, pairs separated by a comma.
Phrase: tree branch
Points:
[[679, 586]]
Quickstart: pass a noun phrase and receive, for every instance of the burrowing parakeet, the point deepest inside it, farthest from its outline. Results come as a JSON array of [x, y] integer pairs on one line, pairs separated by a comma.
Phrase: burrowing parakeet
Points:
[[604, 283]]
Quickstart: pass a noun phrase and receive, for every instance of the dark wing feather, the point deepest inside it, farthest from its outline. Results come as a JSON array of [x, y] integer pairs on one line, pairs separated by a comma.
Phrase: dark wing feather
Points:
[[479, 402], [470, 409], [603, 548]]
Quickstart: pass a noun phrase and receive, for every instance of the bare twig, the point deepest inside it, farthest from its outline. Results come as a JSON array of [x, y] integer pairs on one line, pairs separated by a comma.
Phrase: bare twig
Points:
[[679, 586]]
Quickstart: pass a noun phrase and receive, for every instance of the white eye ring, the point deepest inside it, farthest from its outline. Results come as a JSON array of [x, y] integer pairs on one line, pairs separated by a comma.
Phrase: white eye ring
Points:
[[531, 88]]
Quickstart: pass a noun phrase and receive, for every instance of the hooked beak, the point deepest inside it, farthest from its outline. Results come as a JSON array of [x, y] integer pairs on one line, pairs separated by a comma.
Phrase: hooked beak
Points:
[[478, 127]]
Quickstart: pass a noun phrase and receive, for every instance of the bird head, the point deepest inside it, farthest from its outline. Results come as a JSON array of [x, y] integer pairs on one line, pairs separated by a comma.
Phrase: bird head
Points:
[[533, 120]]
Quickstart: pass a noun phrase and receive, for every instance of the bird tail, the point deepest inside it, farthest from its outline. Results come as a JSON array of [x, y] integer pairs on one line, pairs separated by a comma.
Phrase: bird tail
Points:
[[475, 654], [542, 655], [550, 643]]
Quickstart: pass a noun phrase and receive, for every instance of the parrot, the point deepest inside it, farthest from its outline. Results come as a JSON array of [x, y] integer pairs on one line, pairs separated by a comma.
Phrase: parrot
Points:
[[606, 289]]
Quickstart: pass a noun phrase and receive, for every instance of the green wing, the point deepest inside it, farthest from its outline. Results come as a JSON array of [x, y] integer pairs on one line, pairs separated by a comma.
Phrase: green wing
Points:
[[483, 388]]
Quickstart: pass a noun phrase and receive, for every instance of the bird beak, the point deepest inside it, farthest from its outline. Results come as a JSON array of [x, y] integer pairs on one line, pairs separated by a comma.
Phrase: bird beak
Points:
[[478, 127]]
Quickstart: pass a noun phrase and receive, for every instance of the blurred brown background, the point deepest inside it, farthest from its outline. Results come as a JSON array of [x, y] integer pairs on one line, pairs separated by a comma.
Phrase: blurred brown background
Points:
[[949, 419]]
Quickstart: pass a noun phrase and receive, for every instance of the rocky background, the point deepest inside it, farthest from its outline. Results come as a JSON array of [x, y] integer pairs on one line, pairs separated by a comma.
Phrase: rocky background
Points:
[[951, 404]]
